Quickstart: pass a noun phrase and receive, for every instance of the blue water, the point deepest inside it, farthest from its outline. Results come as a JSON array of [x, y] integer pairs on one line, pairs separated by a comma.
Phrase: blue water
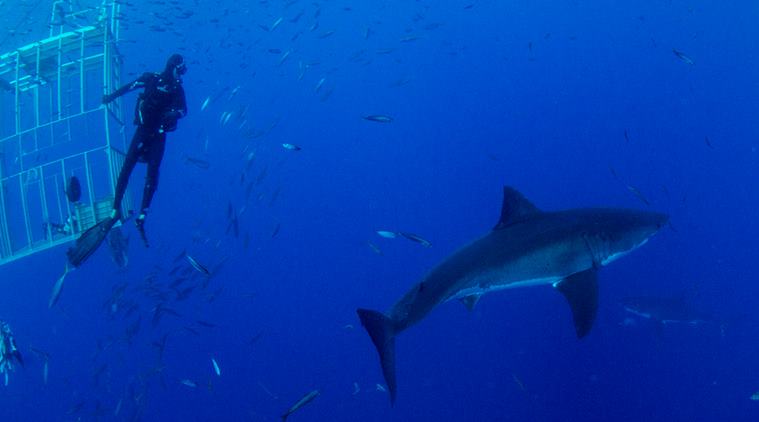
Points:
[[533, 94]]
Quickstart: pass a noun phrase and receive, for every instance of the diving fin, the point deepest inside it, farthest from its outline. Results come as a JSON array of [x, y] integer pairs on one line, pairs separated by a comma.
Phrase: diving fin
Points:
[[140, 222], [89, 241]]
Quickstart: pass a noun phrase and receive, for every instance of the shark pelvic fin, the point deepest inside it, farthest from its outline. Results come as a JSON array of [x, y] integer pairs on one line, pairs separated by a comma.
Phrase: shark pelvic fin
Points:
[[581, 291], [515, 208], [380, 329], [470, 301]]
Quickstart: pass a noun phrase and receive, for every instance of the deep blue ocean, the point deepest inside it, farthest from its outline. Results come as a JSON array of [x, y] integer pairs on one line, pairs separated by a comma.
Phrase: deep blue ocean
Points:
[[574, 103]]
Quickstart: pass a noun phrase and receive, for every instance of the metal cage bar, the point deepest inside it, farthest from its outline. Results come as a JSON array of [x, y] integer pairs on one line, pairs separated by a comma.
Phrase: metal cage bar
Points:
[[51, 138]]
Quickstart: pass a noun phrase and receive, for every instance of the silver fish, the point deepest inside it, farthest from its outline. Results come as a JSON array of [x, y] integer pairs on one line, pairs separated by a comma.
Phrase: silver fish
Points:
[[57, 289], [189, 383], [417, 239], [291, 147], [216, 368], [195, 264], [680, 55], [308, 398], [379, 118]]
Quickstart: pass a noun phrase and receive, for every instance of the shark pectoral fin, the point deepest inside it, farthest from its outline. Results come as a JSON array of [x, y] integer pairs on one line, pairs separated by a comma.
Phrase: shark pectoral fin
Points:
[[515, 207], [581, 291], [470, 301], [380, 329]]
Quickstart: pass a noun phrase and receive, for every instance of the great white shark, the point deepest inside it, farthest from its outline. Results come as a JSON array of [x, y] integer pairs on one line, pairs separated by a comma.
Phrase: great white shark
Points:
[[527, 247], [665, 310]]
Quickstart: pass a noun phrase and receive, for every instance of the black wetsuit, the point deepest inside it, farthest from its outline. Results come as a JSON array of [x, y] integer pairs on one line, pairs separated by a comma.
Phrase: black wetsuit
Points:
[[158, 108]]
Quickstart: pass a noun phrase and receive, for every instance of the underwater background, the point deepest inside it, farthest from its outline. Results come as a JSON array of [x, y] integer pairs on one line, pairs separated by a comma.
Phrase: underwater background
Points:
[[649, 105]]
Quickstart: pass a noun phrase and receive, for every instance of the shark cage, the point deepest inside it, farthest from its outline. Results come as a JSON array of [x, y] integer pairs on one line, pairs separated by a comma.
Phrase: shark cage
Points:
[[60, 149]]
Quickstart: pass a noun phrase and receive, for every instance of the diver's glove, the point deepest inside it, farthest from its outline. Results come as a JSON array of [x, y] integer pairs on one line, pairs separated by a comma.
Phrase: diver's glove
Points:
[[169, 121]]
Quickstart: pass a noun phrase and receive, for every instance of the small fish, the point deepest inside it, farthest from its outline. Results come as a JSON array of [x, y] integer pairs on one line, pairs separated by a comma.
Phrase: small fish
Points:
[[379, 118], [297, 17], [179, 257], [381, 388], [118, 407], [216, 368], [205, 103], [189, 383], [197, 162], [45, 358], [195, 264], [374, 248], [638, 194], [518, 382], [614, 172], [291, 147], [387, 234], [410, 38], [308, 398], [319, 84], [275, 24], [356, 388], [627, 137], [57, 289], [234, 92], [255, 339], [417, 239], [266, 390], [191, 330], [226, 118], [680, 55], [74, 409], [708, 142]]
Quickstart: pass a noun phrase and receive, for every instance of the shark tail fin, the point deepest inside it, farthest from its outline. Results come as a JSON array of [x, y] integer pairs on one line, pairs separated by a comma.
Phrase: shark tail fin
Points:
[[380, 329]]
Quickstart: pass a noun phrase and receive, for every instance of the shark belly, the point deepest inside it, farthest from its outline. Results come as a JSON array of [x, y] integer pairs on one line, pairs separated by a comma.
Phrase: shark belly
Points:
[[482, 287]]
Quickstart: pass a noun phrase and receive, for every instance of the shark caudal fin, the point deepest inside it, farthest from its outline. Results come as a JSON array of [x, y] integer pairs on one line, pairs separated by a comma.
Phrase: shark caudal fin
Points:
[[380, 329]]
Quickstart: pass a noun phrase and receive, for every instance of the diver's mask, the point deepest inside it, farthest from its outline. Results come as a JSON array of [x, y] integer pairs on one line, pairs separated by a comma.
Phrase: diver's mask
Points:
[[181, 69], [176, 66]]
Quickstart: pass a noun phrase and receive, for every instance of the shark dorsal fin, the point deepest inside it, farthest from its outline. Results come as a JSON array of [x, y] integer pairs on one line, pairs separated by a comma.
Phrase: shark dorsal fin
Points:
[[515, 208], [470, 301]]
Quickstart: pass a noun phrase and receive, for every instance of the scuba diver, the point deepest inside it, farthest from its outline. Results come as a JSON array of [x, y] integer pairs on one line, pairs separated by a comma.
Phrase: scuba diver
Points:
[[8, 350], [158, 108]]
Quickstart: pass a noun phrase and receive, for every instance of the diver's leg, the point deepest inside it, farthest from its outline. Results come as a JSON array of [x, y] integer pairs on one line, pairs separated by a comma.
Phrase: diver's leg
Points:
[[154, 157], [126, 170]]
